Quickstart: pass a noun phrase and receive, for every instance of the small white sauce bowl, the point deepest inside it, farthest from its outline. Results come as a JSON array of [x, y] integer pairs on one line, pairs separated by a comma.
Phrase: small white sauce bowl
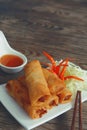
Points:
[[6, 49]]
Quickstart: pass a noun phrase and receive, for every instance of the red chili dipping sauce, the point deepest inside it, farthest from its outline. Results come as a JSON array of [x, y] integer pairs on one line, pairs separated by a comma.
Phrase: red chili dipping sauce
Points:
[[11, 60]]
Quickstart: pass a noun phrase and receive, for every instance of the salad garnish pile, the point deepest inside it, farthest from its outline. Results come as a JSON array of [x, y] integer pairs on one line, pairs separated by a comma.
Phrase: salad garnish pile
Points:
[[74, 76]]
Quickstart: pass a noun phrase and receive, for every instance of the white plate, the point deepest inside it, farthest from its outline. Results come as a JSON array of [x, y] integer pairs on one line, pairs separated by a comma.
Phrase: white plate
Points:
[[20, 115]]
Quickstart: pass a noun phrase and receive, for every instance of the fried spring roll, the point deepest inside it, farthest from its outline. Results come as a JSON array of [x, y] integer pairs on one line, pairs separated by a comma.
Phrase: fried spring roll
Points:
[[38, 111], [21, 80], [35, 111], [55, 84], [38, 90], [52, 101], [65, 96], [18, 92], [36, 82]]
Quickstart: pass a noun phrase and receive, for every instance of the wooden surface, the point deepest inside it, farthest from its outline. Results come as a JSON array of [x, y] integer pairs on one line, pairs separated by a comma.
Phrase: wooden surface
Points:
[[56, 26]]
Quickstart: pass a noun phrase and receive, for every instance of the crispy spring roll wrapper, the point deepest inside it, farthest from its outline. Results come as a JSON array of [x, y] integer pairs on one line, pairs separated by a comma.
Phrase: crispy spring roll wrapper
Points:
[[55, 84], [36, 82], [21, 80], [18, 91], [65, 96], [52, 101], [38, 111]]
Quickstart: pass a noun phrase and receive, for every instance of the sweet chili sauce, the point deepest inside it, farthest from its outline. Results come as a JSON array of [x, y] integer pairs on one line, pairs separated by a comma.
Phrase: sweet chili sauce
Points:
[[11, 60]]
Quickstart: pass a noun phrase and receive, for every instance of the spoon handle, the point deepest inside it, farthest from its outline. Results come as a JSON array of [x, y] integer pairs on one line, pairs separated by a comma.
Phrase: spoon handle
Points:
[[3, 41]]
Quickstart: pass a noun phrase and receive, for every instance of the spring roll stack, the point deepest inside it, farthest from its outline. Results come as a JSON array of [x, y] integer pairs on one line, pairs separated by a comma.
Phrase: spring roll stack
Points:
[[57, 86], [38, 90]]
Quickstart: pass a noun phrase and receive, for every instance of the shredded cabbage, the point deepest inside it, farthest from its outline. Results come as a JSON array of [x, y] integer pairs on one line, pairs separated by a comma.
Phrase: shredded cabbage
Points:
[[74, 84]]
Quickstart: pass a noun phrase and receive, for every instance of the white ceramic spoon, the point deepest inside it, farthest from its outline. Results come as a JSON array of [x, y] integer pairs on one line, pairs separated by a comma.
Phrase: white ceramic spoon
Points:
[[6, 49]]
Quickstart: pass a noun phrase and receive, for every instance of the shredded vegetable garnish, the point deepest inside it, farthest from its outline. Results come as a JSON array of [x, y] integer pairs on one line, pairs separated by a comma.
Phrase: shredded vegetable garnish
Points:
[[74, 77], [60, 69]]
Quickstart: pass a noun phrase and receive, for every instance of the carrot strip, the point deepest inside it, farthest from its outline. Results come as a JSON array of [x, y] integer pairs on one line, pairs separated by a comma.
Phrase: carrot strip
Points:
[[64, 69], [50, 58], [59, 66], [57, 69], [73, 77]]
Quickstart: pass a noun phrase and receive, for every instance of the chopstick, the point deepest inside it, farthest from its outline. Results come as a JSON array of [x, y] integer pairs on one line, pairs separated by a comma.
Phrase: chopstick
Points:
[[79, 105], [80, 111]]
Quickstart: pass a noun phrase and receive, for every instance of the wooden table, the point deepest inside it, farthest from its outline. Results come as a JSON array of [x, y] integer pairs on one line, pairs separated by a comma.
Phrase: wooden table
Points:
[[58, 27]]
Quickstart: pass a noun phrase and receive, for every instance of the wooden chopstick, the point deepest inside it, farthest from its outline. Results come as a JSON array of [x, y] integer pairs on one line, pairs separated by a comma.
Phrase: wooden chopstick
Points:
[[79, 105], [80, 111]]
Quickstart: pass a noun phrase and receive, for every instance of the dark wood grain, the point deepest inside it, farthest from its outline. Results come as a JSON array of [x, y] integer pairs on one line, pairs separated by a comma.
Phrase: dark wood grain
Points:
[[56, 26]]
